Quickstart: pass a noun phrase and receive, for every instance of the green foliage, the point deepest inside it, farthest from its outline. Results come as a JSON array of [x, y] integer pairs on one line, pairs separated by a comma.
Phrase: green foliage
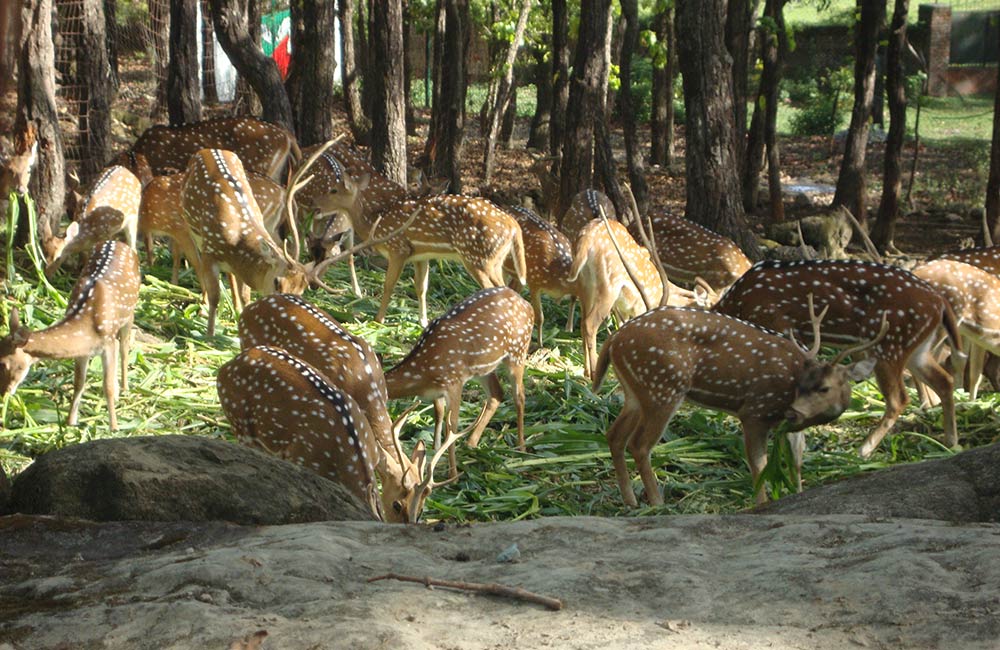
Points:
[[822, 103]]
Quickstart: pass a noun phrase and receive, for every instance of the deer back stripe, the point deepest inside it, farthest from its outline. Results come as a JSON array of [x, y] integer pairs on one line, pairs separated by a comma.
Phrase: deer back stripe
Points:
[[100, 262]]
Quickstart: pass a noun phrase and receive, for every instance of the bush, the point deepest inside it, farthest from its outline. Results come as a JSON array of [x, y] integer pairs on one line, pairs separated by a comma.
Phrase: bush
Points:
[[826, 102]]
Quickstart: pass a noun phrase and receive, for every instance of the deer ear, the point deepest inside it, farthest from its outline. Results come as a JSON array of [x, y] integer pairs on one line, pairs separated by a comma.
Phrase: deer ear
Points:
[[861, 369], [72, 230], [361, 182], [15, 320]]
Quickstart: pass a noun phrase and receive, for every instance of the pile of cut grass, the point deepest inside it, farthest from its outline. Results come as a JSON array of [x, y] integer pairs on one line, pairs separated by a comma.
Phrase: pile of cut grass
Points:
[[566, 470]]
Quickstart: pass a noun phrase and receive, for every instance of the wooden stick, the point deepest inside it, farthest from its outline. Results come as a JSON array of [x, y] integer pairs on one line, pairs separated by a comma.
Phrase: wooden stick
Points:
[[491, 588]]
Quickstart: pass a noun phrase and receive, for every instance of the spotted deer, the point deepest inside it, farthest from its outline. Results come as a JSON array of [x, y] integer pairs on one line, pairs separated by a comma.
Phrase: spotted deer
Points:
[[15, 169], [604, 285], [277, 402], [471, 230], [974, 296], [228, 230], [111, 206], [489, 328], [689, 251], [670, 354], [310, 334], [585, 206], [263, 148], [98, 319], [548, 255], [858, 294]]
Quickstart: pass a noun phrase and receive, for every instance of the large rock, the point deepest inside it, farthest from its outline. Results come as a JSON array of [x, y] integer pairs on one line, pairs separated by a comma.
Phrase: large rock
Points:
[[178, 478], [964, 488]]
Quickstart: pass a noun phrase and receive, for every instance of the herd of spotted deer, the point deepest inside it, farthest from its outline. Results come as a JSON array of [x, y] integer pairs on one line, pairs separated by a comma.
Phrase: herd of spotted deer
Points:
[[306, 389]]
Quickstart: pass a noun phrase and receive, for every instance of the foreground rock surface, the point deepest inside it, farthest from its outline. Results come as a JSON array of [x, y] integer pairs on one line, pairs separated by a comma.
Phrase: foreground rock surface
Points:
[[172, 478], [736, 581]]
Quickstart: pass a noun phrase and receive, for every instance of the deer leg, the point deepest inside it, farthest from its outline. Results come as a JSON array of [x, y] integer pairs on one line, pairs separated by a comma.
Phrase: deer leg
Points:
[[589, 324], [991, 368], [536, 304], [890, 382], [440, 411], [927, 369], [355, 285], [421, 275], [175, 263], [124, 336], [453, 400], [393, 269], [977, 358], [79, 378], [648, 433], [618, 435], [110, 385], [797, 443], [492, 384], [572, 309], [211, 287], [755, 442], [517, 380]]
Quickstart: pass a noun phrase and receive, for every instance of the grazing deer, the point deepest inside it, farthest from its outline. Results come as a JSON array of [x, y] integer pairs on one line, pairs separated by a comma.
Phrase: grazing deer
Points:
[[585, 206], [772, 294], [604, 284], [310, 334], [228, 229], [490, 327], [111, 206], [671, 354], [974, 296], [98, 319], [471, 230], [262, 147], [548, 255], [689, 251], [15, 169], [283, 405]]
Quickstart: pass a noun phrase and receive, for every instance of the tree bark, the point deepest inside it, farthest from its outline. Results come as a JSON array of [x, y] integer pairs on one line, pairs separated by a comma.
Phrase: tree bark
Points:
[[538, 134], [560, 75], [411, 116], [587, 100], [311, 70], [183, 89], [358, 121], [739, 24], [499, 110], [993, 183], [111, 38], [208, 87], [633, 155], [233, 31], [446, 137], [159, 18], [95, 115], [36, 105], [389, 123], [662, 123], [364, 50], [713, 182], [892, 183], [851, 189]]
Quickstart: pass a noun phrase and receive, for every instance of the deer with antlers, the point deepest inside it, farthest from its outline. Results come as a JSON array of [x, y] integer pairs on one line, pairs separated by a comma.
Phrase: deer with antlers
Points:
[[671, 354], [489, 328], [98, 319], [348, 362], [858, 294]]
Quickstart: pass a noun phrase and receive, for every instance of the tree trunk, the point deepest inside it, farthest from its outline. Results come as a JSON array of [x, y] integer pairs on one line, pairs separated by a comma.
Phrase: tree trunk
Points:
[[111, 38], [233, 32], [892, 183], [159, 18], [208, 87], [509, 118], [389, 123], [503, 93], [993, 183], [359, 122], [446, 137], [851, 190], [587, 100], [183, 90], [95, 114], [713, 182], [365, 56], [739, 23], [36, 105], [538, 134], [311, 70], [633, 155], [411, 116], [560, 75], [662, 122]]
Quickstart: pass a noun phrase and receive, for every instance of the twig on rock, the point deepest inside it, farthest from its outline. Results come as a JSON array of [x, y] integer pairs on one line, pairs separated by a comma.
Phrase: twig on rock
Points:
[[492, 588]]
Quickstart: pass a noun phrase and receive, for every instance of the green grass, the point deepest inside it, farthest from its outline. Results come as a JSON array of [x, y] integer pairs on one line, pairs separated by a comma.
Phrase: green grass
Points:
[[566, 470], [808, 13]]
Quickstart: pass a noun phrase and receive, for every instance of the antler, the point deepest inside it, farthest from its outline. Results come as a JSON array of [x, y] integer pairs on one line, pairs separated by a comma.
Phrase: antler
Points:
[[883, 330], [815, 320], [628, 267], [649, 241], [869, 244], [294, 185], [428, 484]]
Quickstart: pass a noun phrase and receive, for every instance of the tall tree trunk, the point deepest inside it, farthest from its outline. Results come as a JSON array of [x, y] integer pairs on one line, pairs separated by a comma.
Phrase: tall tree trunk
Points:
[[851, 189], [411, 116], [538, 134], [111, 38], [159, 18], [183, 89], [446, 136], [208, 87], [356, 117], [36, 105], [633, 155], [587, 100], [773, 65], [95, 115], [662, 122], [503, 93], [993, 183], [560, 75], [739, 23], [364, 49], [713, 182], [233, 31], [389, 123], [311, 70], [892, 183]]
